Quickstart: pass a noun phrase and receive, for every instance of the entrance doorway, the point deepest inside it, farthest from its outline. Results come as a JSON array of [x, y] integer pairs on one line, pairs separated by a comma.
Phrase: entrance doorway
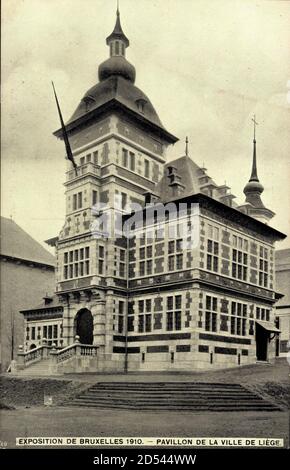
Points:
[[262, 340], [84, 327]]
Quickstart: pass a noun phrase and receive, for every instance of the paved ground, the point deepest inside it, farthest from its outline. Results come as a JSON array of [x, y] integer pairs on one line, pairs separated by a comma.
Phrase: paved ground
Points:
[[79, 422]]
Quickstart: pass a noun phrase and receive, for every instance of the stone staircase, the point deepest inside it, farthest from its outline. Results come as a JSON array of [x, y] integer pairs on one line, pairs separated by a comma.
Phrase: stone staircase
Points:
[[175, 396], [37, 369]]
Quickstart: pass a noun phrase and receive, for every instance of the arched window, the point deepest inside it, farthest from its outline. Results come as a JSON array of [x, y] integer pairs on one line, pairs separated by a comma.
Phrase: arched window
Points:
[[123, 48], [111, 49], [117, 48]]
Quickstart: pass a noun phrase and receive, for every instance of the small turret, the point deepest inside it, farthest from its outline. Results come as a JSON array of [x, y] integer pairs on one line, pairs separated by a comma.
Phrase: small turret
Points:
[[254, 189]]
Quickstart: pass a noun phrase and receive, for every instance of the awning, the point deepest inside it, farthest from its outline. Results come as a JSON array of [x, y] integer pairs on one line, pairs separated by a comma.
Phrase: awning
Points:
[[268, 326]]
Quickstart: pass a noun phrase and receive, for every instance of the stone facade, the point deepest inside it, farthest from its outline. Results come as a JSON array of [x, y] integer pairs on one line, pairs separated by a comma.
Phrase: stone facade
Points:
[[156, 302]]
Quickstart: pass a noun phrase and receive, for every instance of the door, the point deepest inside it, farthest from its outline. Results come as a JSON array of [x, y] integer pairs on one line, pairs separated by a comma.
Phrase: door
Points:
[[85, 326], [262, 340]]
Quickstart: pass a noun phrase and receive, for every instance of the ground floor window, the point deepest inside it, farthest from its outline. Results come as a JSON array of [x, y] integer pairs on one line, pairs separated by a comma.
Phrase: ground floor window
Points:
[[239, 319], [173, 314], [211, 313]]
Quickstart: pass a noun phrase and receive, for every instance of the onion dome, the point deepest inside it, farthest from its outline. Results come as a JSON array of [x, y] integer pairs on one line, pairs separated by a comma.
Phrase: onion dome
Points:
[[117, 65]]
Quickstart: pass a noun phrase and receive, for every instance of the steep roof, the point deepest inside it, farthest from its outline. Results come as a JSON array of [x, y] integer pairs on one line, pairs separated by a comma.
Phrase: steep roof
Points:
[[119, 91], [191, 179], [187, 171], [17, 243]]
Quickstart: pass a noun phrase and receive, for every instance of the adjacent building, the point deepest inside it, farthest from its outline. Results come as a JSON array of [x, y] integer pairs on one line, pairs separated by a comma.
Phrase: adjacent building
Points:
[[27, 274], [282, 258]]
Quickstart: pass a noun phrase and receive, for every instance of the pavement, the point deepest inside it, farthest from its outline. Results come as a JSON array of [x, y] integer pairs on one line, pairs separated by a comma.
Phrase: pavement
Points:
[[77, 422]]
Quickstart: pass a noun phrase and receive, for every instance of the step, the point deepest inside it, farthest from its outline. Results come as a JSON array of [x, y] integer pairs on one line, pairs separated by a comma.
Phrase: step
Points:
[[162, 396], [172, 401], [185, 394], [170, 392], [167, 384], [174, 408]]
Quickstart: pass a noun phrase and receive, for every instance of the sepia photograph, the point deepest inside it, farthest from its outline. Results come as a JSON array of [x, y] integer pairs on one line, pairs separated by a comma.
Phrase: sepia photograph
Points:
[[145, 219]]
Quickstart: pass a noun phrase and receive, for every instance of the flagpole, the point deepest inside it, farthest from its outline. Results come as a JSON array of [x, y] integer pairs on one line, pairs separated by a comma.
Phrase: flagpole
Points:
[[69, 153]]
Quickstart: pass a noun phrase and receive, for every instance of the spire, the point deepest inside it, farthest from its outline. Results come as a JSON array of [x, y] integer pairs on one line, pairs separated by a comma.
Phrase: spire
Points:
[[118, 33], [254, 174], [254, 188]]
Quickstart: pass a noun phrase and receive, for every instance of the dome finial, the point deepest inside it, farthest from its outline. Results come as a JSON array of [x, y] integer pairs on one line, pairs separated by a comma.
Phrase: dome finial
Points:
[[186, 146]]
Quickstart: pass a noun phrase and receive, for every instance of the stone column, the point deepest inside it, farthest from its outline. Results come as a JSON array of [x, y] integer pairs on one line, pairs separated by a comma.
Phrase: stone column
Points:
[[99, 316], [109, 322], [69, 313]]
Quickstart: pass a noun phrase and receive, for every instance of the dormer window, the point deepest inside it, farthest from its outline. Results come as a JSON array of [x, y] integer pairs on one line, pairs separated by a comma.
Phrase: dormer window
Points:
[[141, 105], [88, 100]]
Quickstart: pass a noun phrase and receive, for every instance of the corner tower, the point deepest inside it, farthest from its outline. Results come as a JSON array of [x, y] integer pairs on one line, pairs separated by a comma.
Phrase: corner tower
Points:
[[116, 136]]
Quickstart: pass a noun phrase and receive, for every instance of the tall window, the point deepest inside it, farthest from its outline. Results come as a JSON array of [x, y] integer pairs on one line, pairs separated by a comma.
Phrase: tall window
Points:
[[212, 260], [238, 319], [211, 313], [96, 157], [121, 317], [173, 313], [263, 267], [80, 200], [94, 197], [77, 201], [101, 259], [76, 263], [142, 268], [132, 161], [125, 157], [123, 200], [122, 264], [144, 316], [175, 256], [146, 171], [240, 258]]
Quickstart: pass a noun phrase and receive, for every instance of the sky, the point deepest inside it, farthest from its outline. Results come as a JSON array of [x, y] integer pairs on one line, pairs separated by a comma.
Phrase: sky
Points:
[[207, 66]]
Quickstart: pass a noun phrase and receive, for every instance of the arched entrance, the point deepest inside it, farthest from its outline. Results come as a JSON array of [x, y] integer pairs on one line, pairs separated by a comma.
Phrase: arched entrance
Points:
[[84, 326]]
